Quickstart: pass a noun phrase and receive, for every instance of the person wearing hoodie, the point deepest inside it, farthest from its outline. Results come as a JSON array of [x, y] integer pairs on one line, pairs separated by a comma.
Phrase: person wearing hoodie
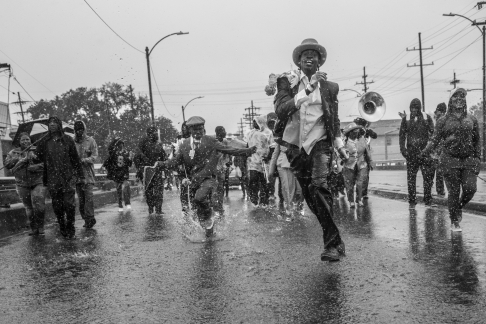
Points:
[[440, 111], [28, 180], [260, 137], [458, 133], [118, 165], [415, 131], [62, 170], [152, 151], [88, 153]]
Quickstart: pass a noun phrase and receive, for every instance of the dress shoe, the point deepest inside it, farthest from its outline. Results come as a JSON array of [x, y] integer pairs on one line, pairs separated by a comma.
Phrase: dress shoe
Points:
[[90, 223], [330, 254], [341, 248]]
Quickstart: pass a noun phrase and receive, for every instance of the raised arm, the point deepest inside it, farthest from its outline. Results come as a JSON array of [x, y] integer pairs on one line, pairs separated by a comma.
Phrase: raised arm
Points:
[[284, 100]]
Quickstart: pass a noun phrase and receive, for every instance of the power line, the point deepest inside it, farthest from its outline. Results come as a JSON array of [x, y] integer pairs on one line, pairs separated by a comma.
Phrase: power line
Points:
[[112, 28], [159, 92], [15, 78]]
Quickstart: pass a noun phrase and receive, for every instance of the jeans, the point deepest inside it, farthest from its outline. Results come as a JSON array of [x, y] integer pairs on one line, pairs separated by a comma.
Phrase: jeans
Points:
[[34, 200], [257, 188], [439, 179], [428, 170], [123, 193], [63, 202], [312, 175], [154, 193], [354, 177], [86, 202], [201, 198], [455, 178]]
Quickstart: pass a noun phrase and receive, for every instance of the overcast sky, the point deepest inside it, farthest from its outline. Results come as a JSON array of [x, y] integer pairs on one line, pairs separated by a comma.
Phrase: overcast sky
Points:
[[233, 46]]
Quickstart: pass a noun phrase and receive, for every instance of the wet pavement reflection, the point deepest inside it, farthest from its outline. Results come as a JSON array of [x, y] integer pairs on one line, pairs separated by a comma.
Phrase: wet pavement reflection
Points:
[[401, 266]]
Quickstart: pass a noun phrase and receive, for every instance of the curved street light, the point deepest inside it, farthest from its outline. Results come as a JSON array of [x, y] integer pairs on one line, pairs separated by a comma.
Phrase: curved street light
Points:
[[147, 55], [359, 94], [184, 107], [483, 33]]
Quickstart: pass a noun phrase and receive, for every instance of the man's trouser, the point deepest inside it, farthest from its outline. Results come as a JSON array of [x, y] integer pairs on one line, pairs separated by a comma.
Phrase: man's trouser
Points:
[[86, 202], [218, 195], [201, 198], [455, 178], [34, 200], [183, 196], [154, 193], [366, 183], [312, 174], [63, 202], [355, 177], [244, 180], [257, 188], [428, 170], [439, 179], [123, 193], [289, 188]]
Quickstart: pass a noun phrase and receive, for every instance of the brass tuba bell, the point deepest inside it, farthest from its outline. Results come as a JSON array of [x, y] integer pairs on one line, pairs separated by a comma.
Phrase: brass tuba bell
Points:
[[372, 106]]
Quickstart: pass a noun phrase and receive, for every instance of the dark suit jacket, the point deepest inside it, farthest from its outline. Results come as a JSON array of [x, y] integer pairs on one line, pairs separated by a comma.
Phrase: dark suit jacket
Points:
[[285, 105], [203, 165]]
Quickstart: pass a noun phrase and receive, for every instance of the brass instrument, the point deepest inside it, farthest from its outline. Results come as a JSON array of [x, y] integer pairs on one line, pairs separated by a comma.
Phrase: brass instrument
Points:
[[372, 106]]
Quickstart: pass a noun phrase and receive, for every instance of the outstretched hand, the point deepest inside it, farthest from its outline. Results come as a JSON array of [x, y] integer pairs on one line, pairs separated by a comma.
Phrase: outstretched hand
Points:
[[402, 114]]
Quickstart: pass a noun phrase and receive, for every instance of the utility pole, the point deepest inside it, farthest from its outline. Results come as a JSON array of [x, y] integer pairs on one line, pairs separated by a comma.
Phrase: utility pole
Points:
[[420, 49], [131, 96], [252, 113], [365, 89], [241, 126], [21, 108], [454, 81]]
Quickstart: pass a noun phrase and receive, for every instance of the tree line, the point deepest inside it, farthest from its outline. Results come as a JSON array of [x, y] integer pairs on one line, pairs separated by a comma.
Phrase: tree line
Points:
[[113, 110]]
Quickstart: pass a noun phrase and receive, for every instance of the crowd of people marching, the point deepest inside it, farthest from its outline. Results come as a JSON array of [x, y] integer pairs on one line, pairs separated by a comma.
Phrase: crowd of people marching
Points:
[[301, 144]]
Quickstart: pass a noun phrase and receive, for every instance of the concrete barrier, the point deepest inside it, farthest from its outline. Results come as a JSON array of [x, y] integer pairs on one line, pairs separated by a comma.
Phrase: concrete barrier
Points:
[[14, 219]]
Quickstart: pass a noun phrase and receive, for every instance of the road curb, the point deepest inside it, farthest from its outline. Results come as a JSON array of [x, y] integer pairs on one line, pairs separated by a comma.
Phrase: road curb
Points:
[[14, 219], [472, 205]]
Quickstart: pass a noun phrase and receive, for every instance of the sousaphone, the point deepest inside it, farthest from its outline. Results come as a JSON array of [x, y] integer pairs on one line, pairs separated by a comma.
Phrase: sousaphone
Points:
[[372, 106]]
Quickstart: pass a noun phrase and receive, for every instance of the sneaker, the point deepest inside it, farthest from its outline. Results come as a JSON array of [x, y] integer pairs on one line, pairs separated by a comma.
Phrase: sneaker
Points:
[[441, 195], [330, 254], [341, 249], [129, 207], [411, 205], [455, 227], [352, 205], [120, 209]]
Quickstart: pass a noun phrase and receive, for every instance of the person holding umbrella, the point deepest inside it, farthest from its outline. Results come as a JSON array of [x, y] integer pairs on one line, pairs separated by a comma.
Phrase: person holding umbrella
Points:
[[28, 180], [62, 170]]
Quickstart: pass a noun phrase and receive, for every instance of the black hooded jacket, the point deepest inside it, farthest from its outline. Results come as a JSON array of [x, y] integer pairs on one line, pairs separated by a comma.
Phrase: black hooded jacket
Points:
[[415, 131], [459, 137], [62, 165]]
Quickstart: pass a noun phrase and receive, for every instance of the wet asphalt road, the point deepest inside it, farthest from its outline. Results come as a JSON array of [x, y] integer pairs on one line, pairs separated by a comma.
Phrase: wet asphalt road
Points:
[[400, 267]]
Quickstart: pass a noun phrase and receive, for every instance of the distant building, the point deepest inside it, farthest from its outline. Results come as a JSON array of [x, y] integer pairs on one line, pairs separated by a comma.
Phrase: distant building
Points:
[[386, 146]]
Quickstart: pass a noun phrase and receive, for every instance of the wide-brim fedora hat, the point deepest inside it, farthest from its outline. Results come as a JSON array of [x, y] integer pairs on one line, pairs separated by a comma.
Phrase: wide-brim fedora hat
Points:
[[309, 43]]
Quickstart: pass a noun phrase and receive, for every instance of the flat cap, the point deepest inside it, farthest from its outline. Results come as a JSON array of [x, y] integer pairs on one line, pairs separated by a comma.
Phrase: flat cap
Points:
[[195, 120]]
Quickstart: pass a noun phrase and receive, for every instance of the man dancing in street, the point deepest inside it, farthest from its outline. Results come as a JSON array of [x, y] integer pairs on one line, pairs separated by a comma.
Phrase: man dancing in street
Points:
[[458, 133], [309, 104], [199, 154]]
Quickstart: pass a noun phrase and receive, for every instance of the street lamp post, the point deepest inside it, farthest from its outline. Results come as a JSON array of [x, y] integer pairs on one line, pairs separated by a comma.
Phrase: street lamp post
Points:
[[184, 107], [147, 56], [483, 33], [359, 94]]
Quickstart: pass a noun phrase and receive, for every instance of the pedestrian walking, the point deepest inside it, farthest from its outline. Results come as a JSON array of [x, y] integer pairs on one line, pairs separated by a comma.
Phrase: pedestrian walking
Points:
[[224, 162], [289, 185], [28, 181], [88, 153], [199, 154], [440, 111], [62, 171], [152, 151], [368, 135], [118, 167], [415, 131], [458, 132], [307, 104], [356, 168], [260, 137]]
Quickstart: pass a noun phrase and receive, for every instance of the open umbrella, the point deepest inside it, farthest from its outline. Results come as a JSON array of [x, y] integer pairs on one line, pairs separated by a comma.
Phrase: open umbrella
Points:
[[38, 128]]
